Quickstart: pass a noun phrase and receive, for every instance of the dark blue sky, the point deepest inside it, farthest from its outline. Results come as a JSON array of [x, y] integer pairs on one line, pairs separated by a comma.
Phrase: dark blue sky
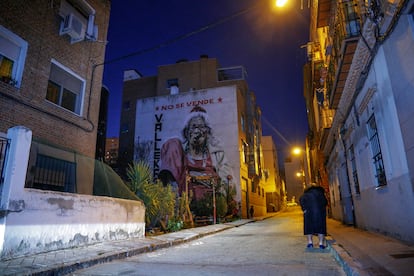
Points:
[[267, 42]]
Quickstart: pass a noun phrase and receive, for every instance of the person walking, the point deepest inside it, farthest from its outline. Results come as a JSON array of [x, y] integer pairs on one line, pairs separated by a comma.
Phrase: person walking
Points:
[[313, 203], [251, 211]]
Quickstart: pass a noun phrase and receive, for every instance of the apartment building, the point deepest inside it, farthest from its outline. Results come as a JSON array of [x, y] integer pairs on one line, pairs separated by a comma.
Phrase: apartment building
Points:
[[111, 151], [358, 89], [51, 56], [177, 88], [273, 185]]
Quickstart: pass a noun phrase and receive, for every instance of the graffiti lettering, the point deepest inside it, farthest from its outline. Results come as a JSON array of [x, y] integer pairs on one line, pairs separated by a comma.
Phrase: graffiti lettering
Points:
[[157, 148], [167, 107], [188, 104], [200, 102]]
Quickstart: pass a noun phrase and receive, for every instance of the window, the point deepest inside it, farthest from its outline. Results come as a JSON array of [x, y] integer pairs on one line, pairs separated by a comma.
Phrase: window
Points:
[[245, 151], [352, 27], [354, 169], [65, 88], [13, 51], [376, 152], [231, 73], [172, 82]]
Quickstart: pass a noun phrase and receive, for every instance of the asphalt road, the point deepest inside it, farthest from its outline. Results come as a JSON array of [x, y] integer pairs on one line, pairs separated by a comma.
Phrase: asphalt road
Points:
[[274, 246]]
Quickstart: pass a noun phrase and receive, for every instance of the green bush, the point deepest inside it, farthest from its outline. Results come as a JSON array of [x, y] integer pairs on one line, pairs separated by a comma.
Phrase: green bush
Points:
[[159, 201]]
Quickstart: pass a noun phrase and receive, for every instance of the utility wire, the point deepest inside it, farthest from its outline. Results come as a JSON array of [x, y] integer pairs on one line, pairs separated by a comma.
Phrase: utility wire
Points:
[[168, 42], [276, 131], [184, 36]]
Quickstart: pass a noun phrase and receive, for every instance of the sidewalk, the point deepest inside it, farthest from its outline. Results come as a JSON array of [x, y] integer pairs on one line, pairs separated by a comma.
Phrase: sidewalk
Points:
[[365, 253], [359, 252], [62, 262]]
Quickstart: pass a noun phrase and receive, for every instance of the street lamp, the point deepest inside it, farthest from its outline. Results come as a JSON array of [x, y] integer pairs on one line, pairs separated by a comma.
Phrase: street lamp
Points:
[[300, 153], [280, 3]]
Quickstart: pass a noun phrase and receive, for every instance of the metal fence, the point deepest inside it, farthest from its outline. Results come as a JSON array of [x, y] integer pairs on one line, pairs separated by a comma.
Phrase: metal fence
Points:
[[54, 174], [4, 145]]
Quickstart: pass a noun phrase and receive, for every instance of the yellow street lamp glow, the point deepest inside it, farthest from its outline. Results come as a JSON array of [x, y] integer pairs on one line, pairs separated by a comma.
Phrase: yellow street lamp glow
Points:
[[280, 3], [297, 151]]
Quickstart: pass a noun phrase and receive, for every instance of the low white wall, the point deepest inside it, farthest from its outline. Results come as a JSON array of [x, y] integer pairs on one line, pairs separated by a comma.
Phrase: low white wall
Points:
[[42, 221], [33, 221]]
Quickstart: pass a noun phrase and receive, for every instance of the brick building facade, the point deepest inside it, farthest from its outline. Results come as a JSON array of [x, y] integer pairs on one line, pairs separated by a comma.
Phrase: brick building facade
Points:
[[49, 81]]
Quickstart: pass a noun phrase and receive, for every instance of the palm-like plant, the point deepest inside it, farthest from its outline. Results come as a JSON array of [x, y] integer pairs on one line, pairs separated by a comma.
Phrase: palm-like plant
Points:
[[159, 201]]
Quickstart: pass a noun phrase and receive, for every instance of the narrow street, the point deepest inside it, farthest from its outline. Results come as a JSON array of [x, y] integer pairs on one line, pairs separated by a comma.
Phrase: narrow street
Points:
[[274, 246]]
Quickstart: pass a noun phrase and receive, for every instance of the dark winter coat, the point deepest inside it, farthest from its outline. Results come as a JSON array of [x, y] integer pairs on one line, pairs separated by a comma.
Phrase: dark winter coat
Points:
[[313, 203]]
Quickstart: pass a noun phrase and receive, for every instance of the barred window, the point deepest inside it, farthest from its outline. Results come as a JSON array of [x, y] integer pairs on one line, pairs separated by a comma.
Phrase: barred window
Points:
[[354, 169], [376, 152]]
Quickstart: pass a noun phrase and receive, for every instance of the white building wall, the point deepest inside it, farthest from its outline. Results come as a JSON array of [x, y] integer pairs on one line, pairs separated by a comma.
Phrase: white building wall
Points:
[[388, 95]]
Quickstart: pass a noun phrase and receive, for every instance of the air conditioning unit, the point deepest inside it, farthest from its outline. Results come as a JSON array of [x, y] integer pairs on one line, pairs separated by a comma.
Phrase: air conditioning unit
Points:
[[73, 26]]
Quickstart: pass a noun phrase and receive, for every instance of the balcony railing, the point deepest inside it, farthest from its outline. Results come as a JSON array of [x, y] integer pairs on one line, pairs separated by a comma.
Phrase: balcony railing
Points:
[[231, 73], [346, 32]]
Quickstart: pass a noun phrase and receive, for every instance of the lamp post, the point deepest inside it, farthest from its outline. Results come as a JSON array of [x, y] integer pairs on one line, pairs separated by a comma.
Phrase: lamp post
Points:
[[300, 153]]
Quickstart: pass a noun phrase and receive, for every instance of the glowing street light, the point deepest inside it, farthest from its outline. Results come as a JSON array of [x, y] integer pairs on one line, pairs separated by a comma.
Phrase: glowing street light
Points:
[[280, 3], [297, 151]]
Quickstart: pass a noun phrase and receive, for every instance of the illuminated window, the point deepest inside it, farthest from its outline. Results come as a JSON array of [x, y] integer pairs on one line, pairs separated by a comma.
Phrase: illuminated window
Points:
[[245, 151], [65, 88], [13, 51]]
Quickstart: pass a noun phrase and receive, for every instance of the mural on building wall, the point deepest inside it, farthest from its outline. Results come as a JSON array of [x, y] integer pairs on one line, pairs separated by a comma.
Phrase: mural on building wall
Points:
[[186, 139]]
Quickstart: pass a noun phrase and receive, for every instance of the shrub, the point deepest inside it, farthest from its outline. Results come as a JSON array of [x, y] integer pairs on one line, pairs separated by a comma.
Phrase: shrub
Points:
[[159, 201]]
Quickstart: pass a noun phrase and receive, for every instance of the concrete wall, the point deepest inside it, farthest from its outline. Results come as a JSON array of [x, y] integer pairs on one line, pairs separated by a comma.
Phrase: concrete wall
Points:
[[36, 221]]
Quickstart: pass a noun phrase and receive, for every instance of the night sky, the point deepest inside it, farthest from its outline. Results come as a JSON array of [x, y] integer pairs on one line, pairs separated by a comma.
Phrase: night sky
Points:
[[265, 40]]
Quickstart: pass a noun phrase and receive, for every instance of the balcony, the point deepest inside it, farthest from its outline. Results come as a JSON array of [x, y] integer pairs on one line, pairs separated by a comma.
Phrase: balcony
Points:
[[345, 32], [343, 66]]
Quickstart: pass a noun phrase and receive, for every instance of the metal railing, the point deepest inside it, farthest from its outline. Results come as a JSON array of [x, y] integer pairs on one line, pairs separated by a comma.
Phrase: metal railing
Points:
[[54, 174], [4, 145]]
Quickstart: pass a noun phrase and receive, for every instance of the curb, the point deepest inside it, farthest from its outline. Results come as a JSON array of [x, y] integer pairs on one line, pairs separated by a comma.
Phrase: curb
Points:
[[349, 264]]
